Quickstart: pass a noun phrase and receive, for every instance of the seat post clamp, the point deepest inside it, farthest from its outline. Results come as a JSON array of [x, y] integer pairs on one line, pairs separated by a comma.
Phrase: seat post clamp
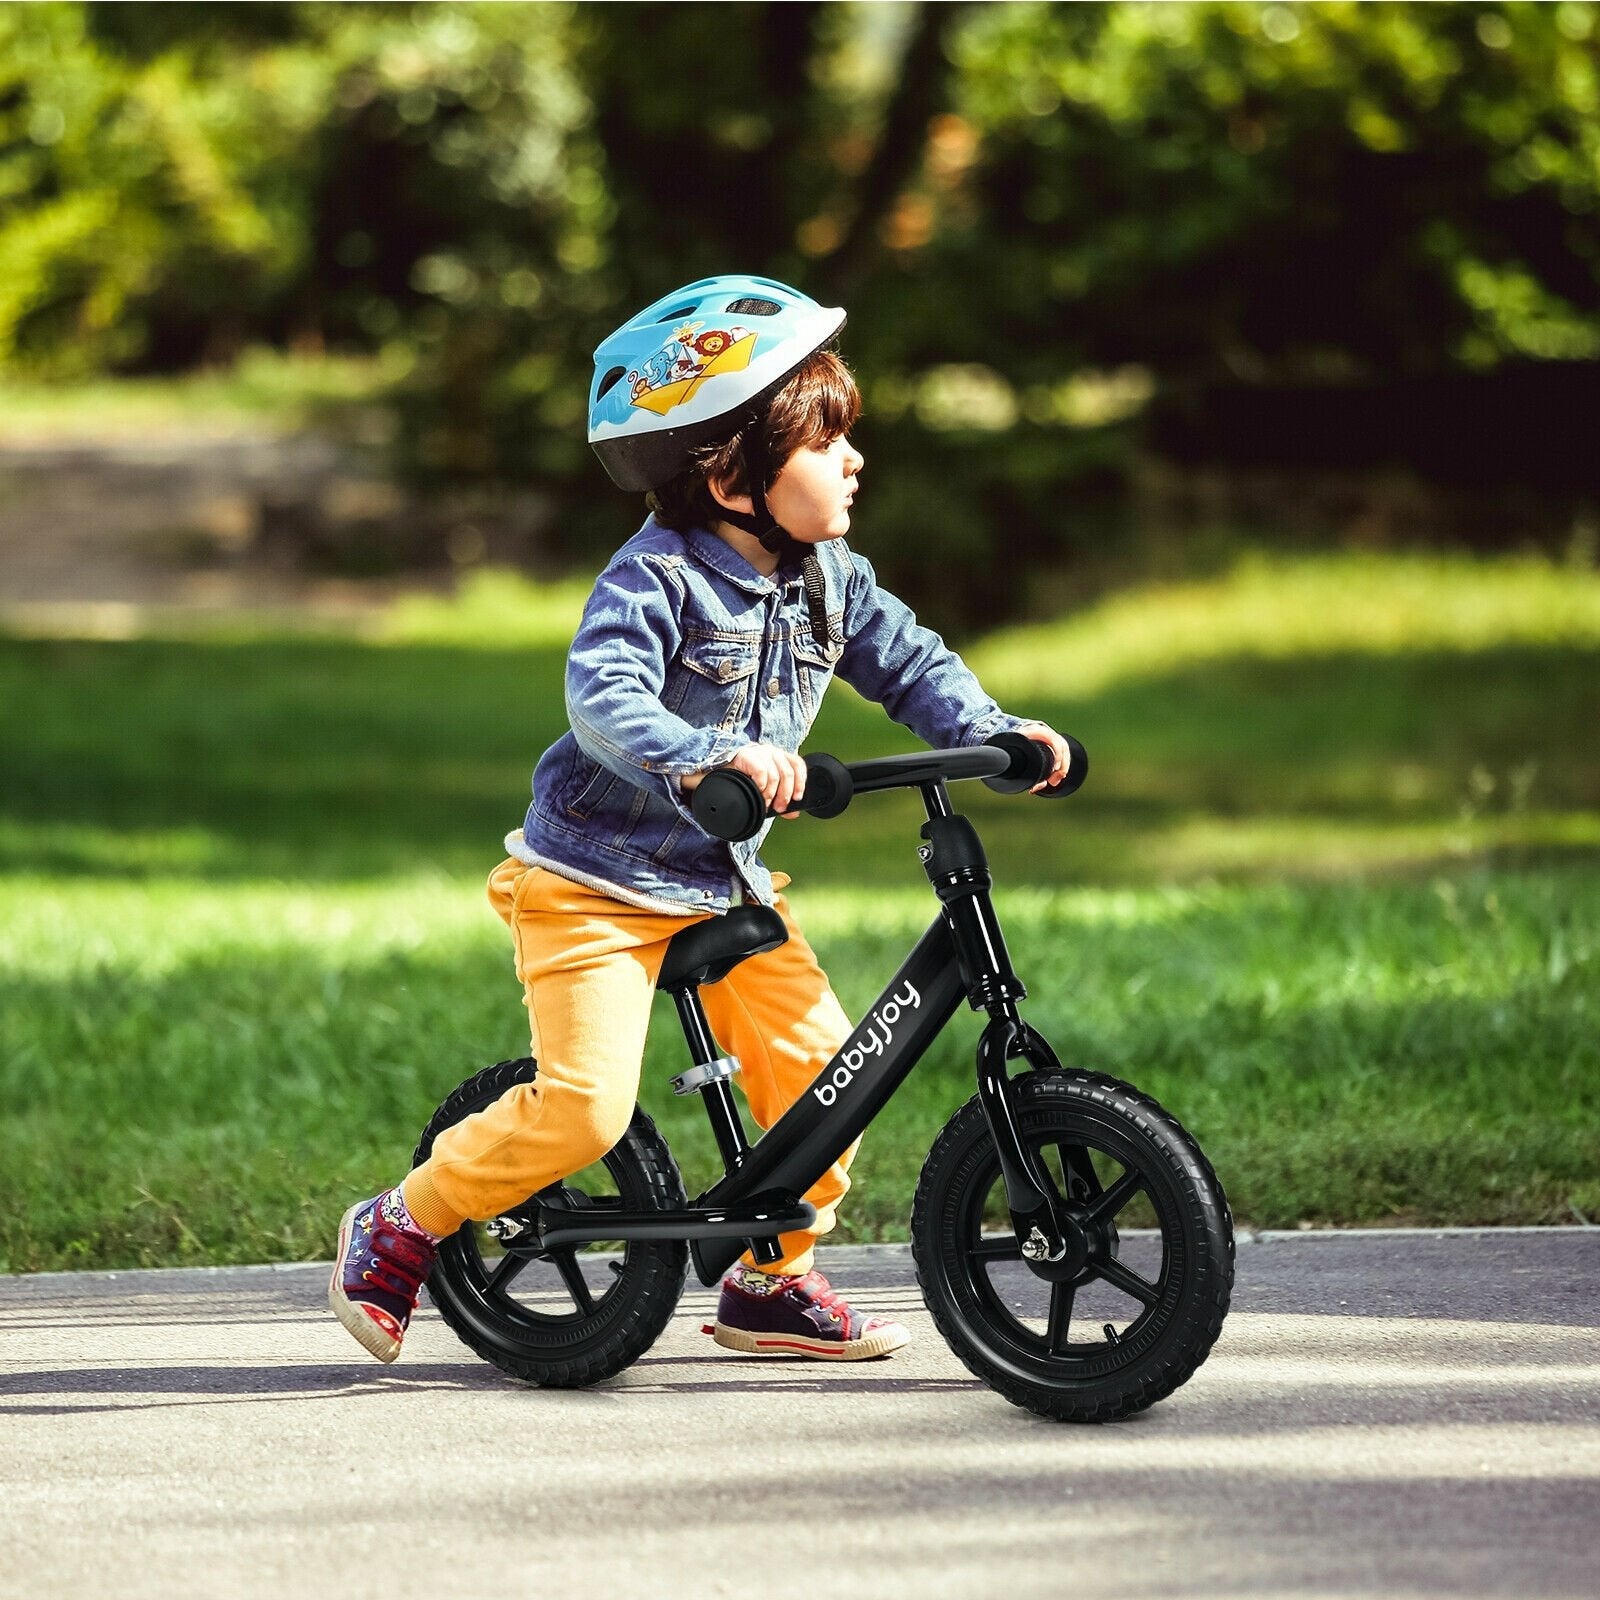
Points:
[[702, 1077]]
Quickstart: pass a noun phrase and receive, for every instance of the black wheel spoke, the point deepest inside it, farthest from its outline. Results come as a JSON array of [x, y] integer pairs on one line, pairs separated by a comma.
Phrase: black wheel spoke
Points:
[[1115, 1198], [509, 1265], [1128, 1282], [1061, 1298], [1000, 1247], [572, 1275]]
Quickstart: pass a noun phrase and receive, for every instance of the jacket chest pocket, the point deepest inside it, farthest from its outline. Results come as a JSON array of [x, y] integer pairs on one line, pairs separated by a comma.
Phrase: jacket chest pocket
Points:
[[715, 690], [814, 661]]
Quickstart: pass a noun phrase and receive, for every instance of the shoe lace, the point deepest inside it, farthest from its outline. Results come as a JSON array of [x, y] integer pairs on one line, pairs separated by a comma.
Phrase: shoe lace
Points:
[[400, 1261], [820, 1292]]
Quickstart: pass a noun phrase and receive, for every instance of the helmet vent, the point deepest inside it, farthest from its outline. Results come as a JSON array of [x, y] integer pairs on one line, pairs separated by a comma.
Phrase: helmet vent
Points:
[[755, 308], [681, 311], [609, 381]]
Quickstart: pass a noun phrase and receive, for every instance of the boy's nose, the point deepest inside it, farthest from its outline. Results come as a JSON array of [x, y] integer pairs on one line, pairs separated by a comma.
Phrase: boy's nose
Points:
[[853, 460]]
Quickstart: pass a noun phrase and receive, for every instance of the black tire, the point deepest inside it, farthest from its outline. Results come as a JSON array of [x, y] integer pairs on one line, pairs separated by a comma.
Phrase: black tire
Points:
[[576, 1316], [1024, 1336]]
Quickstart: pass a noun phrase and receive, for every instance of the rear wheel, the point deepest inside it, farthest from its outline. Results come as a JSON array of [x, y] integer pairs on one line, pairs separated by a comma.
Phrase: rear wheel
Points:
[[1142, 1311], [562, 1318]]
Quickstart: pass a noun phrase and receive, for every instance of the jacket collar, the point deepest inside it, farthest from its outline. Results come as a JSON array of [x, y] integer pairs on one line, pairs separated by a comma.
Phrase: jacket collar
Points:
[[722, 558]]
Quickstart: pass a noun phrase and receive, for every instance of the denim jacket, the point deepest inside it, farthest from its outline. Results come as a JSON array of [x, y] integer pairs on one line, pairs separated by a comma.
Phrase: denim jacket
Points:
[[684, 654]]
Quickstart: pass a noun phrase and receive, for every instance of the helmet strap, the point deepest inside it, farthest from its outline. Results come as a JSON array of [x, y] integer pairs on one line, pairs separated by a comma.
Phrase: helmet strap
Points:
[[761, 522], [773, 536]]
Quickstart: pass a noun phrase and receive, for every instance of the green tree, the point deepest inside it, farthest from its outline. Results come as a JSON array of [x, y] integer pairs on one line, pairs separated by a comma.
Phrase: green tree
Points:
[[1320, 191], [1009, 197]]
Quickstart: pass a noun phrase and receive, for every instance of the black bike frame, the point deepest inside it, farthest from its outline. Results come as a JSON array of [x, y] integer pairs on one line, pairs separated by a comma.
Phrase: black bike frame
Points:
[[848, 1093], [962, 955]]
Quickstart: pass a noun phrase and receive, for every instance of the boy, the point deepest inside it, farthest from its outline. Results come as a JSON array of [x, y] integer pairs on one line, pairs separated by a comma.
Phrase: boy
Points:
[[708, 640]]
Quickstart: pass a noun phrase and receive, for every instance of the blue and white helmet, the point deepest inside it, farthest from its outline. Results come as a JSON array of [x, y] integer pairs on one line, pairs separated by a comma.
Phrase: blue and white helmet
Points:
[[692, 367]]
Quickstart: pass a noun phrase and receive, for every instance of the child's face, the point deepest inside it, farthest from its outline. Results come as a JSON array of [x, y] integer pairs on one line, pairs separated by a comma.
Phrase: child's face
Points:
[[812, 493]]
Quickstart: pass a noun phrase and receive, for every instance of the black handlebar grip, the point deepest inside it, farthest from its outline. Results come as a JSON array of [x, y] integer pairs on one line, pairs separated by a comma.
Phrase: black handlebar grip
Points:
[[829, 786], [1032, 762], [1077, 771], [728, 804]]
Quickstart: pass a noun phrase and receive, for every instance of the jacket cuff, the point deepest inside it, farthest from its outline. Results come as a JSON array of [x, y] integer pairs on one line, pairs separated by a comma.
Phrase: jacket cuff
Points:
[[987, 727]]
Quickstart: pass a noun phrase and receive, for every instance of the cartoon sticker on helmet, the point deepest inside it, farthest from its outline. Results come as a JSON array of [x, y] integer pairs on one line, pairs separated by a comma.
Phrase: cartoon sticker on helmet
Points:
[[676, 371]]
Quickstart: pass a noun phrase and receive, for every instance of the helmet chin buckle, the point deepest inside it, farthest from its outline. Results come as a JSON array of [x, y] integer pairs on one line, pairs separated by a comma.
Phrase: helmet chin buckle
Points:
[[770, 535]]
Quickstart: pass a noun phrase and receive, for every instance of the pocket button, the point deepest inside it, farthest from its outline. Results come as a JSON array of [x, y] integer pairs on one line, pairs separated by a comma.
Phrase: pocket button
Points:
[[772, 688]]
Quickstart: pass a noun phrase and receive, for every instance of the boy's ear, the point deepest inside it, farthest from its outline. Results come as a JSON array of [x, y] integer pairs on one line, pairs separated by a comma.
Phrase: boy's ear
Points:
[[722, 493]]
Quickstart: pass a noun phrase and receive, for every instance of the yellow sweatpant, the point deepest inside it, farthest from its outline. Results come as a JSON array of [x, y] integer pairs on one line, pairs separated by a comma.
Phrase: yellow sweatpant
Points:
[[588, 965]]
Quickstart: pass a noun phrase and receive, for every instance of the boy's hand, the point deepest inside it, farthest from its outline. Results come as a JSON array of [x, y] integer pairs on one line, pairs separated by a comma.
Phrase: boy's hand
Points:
[[780, 775], [1058, 746]]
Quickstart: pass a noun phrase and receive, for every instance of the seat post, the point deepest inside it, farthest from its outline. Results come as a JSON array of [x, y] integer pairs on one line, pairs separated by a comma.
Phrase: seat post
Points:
[[696, 1028], [721, 1108]]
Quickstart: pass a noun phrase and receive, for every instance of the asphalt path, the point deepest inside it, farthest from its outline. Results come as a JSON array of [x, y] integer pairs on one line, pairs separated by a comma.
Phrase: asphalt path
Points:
[[1407, 1414]]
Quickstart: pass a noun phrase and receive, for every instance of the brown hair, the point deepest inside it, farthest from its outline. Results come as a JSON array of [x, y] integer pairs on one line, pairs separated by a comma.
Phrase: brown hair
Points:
[[817, 404]]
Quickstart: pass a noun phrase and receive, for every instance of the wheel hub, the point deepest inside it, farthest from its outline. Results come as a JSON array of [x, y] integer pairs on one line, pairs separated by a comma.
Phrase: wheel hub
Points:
[[1085, 1247]]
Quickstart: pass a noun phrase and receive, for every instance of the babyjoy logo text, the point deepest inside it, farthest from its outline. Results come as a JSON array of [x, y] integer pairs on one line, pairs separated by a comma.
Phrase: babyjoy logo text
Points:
[[853, 1059]]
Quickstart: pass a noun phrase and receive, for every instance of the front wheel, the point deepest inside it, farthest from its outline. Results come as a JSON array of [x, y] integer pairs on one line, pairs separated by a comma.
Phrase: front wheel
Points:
[[562, 1318], [1145, 1307]]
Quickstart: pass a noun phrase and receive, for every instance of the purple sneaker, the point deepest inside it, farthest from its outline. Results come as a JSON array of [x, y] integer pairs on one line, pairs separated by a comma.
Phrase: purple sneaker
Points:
[[379, 1271], [764, 1315]]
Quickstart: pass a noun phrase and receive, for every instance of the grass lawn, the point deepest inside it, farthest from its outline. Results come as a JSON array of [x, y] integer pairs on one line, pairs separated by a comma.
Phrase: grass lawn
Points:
[[1332, 894]]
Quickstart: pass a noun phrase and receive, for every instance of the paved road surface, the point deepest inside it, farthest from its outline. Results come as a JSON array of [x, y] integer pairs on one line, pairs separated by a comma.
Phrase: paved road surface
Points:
[[1409, 1415]]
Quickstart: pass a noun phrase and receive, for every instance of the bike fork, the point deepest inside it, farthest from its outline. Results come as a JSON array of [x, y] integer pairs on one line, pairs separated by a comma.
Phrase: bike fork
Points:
[[1045, 1233], [1051, 1242]]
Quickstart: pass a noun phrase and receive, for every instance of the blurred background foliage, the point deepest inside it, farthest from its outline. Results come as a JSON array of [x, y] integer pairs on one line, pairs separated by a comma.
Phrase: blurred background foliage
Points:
[[1110, 268]]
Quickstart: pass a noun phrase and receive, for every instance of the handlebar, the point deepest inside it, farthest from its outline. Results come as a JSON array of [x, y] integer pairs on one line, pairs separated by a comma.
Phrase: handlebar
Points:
[[728, 805]]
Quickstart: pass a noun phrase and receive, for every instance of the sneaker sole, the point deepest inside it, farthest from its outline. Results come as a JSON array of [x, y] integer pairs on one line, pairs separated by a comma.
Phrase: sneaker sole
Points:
[[882, 1343], [357, 1323]]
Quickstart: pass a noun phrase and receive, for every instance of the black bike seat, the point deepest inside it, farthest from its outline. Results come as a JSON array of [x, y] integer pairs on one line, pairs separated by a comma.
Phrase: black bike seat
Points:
[[710, 950]]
